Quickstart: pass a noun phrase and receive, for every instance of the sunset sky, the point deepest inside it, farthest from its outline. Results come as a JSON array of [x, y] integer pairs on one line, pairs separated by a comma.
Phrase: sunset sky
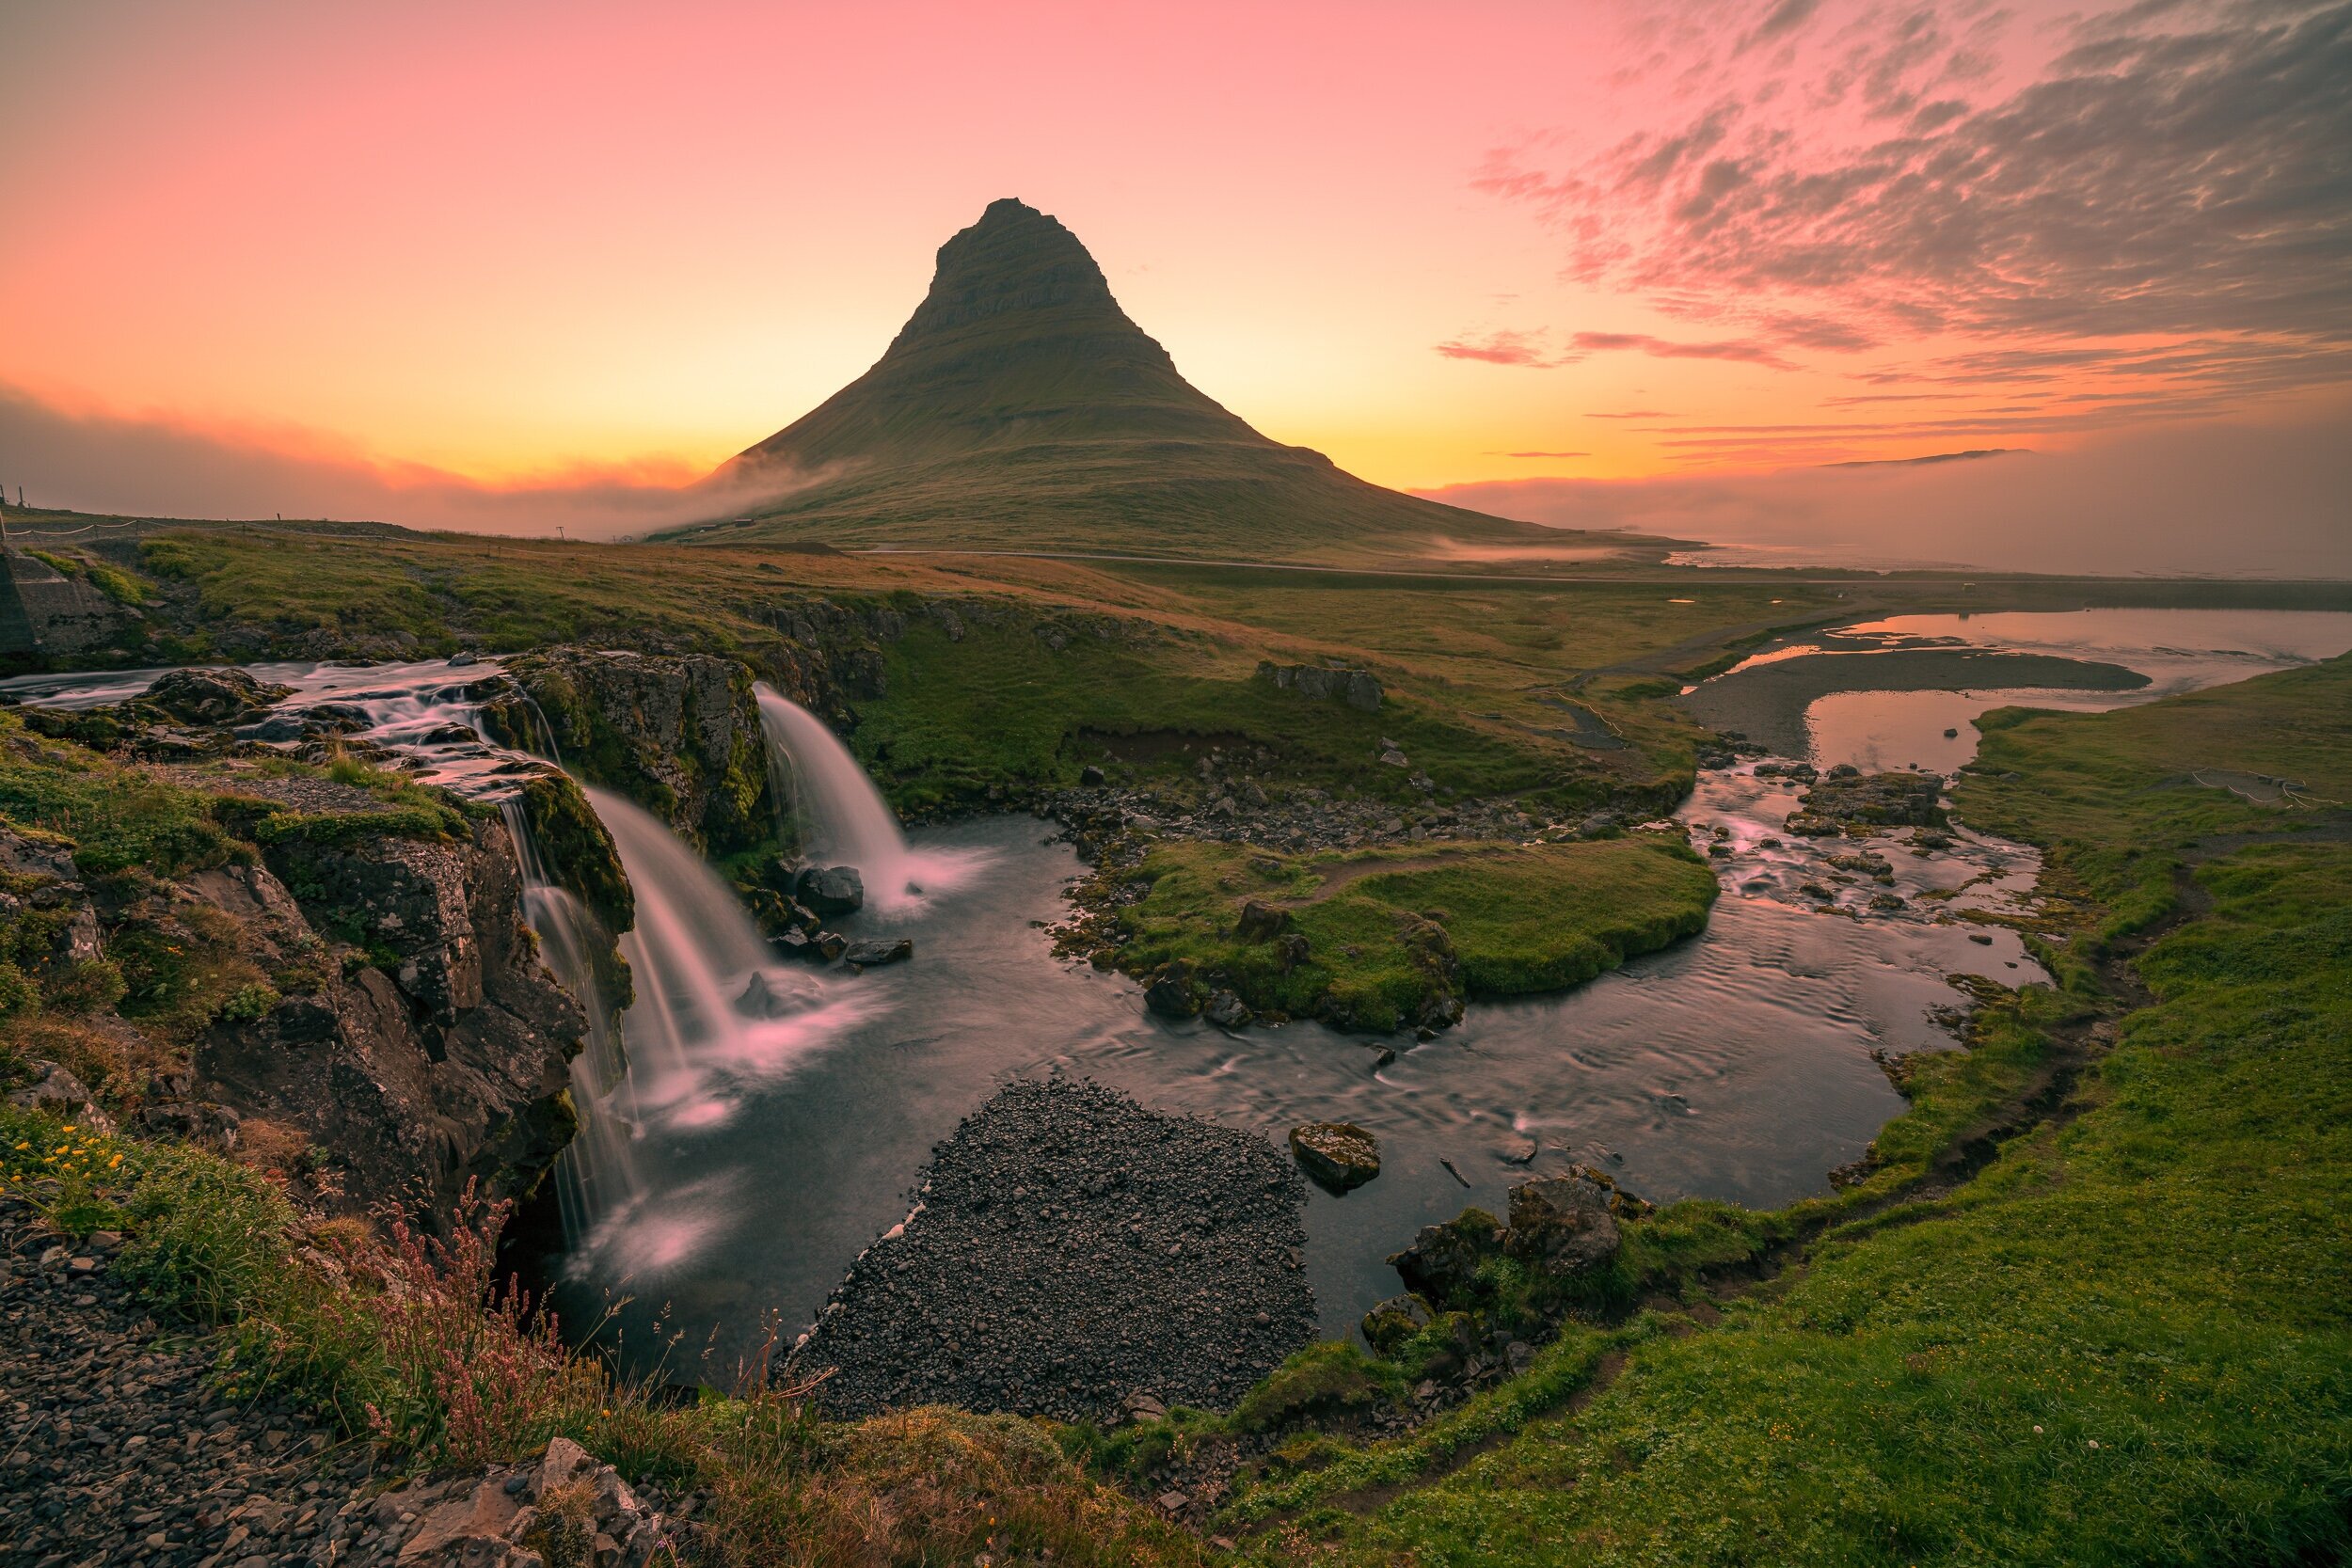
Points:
[[532, 244]]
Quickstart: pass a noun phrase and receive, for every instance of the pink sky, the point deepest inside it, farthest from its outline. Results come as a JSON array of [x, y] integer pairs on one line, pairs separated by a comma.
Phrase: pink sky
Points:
[[524, 243]]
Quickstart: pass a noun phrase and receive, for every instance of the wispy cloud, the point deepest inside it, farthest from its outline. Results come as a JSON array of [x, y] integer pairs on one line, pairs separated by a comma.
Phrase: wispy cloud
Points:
[[1498, 348], [2172, 171], [1661, 348]]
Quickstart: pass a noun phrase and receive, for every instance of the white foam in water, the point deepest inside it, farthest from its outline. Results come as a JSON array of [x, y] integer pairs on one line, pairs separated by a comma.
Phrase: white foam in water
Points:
[[843, 819], [716, 1012]]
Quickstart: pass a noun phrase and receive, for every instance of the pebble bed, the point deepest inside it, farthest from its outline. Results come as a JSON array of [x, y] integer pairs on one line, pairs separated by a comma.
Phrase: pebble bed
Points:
[[115, 1446], [1068, 1251]]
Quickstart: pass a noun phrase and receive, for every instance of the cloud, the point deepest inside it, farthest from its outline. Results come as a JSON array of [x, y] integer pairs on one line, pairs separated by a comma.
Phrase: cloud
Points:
[[2170, 170], [1527, 349], [151, 466], [1498, 348], [1539, 455], [2227, 499], [1632, 414], [1661, 348]]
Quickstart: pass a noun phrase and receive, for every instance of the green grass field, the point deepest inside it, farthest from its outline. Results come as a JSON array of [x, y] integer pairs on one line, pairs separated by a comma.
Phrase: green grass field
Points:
[[2124, 1341]]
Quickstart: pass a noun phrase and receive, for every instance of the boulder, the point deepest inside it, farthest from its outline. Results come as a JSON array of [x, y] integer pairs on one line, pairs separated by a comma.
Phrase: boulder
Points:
[[1260, 922], [1442, 1266], [1340, 1155], [1173, 992], [1561, 1225], [869, 951], [1390, 1322], [212, 696], [1226, 1010], [830, 890], [53, 1090]]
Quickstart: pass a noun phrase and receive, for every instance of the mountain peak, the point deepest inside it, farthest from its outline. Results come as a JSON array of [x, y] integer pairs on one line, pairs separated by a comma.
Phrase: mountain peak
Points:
[[1015, 257], [1019, 403]]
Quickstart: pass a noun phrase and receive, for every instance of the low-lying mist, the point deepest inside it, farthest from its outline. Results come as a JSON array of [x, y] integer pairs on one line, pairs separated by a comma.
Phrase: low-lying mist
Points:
[[157, 468], [2269, 500]]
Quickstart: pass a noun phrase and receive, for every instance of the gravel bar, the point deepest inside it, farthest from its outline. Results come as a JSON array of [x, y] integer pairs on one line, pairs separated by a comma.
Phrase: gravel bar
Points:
[[1068, 1250]]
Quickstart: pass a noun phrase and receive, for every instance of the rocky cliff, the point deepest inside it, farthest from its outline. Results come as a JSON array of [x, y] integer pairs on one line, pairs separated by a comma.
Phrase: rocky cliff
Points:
[[330, 979], [676, 733]]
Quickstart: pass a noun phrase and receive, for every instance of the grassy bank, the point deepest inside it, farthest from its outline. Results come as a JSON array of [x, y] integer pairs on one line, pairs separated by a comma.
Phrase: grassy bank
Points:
[[1384, 929], [2124, 1340]]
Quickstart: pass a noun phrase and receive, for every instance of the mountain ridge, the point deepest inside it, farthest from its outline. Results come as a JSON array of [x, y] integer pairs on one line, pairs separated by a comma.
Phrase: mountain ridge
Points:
[[1019, 407]]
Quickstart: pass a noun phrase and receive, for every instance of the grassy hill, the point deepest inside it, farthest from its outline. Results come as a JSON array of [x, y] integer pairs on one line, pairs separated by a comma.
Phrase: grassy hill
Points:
[[1020, 407]]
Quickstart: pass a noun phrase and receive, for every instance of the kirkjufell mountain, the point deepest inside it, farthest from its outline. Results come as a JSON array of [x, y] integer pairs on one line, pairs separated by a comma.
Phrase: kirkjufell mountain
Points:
[[1020, 407]]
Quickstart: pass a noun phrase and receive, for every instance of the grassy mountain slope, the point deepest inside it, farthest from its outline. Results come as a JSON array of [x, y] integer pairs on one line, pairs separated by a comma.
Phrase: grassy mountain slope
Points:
[[1021, 408]]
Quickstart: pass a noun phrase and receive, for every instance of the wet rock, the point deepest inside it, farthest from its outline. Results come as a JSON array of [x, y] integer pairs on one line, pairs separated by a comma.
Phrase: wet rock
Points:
[[829, 945], [1226, 1010], [1561, 1223], [830, 890], [1847, 799], [679, 733], [1442, 1264], [1090, 777], [1173, 992], [870, 951], [212, 696], [1340, 1155]]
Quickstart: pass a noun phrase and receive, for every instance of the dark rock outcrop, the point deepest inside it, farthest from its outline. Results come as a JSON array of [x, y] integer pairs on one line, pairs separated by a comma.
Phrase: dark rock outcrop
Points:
[[678, 734], [1357, 689], [872, 950], [442, 1061], [212, 696], [831, 888], [1561, 1226]]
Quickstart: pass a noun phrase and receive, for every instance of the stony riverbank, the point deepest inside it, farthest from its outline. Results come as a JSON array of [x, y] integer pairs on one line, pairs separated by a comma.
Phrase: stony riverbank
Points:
[[1072, 1254]]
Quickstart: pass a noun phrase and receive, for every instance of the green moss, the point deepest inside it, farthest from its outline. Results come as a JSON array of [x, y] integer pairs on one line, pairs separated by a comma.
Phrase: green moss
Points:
[[1492, 920], [114, 817], [1327, 1383]]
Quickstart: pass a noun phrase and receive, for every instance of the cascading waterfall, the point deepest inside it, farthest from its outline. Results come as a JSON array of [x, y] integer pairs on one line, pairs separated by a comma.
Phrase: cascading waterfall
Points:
[[842, 818], [596, 1174]]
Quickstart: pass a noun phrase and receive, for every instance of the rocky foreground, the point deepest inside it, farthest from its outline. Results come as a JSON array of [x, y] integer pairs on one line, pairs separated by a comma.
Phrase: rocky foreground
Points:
[[1074, 1255], [120, 1443]]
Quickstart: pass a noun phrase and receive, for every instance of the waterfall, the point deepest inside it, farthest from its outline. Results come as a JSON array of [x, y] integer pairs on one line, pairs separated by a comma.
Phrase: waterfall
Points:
[[596, 1174], [842, 818], [716, 1009]]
